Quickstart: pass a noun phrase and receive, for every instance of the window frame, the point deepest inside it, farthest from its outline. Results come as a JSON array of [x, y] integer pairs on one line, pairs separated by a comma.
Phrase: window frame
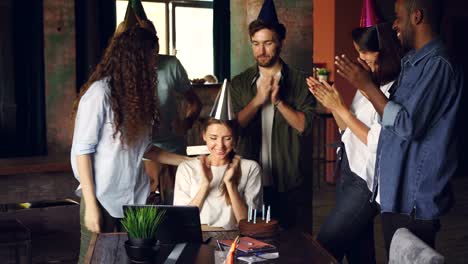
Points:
[[170, 6], [174, 5]]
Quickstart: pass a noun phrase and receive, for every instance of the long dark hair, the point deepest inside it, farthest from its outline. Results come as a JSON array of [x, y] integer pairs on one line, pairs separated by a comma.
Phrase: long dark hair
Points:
[[233, 126], [381, 38], [132, 81]]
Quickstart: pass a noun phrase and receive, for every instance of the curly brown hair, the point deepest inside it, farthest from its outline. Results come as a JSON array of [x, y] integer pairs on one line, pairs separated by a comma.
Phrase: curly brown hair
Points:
[[129, 63]]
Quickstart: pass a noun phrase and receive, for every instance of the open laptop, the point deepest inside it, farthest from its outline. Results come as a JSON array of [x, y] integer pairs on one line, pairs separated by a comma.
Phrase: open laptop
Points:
[[181, 224]]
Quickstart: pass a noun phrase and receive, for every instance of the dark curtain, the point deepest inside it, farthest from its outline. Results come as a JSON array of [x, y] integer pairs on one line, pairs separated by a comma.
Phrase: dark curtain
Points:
[[222, 39], [95, 25], [27, 37]]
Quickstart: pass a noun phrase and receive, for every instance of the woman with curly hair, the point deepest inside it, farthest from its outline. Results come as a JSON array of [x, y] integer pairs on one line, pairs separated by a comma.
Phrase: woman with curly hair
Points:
[[113, 117]]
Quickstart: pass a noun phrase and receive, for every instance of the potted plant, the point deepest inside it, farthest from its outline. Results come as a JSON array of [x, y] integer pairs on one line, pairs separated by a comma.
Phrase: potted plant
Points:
[[141, 224], [322, 74]]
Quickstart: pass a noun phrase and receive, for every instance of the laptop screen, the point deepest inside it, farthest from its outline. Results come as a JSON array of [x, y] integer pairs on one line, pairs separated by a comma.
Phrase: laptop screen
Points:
[[180, 224]]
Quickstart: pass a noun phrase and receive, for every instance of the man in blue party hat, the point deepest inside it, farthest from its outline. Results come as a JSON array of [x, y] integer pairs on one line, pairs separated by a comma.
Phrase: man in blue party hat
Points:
[[274, 110]]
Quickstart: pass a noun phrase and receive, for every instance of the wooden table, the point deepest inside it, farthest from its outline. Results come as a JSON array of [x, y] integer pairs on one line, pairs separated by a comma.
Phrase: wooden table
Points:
[[294, 247]]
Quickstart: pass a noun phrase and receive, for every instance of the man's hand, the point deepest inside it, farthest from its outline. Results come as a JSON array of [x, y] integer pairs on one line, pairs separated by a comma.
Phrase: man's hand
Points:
[[264, 88], [274, 94], [180, 127], [358, 74]]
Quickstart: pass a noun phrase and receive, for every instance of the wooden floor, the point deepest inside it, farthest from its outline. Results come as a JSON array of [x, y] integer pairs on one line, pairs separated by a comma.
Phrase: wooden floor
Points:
[[452, 240]]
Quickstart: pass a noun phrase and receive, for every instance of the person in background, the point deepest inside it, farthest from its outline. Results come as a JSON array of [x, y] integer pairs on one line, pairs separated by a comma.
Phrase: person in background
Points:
[[113, 117], [274, 110], [172, 130], [417, 152], [210, 79], [173, 126], [171, 133], [349, 228]]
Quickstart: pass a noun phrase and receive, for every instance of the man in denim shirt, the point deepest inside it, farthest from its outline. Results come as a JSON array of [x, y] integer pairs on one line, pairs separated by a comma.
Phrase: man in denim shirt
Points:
[[417, 154]]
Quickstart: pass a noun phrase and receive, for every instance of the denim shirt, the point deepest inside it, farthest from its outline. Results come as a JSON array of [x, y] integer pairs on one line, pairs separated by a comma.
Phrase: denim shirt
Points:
[[417, 155]]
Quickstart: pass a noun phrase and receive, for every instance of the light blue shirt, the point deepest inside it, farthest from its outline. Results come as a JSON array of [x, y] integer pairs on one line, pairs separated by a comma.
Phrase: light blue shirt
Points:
[[172, 78], [119, 176]]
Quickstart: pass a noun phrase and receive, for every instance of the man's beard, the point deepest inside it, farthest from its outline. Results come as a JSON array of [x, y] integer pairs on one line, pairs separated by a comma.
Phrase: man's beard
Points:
[[407, 39], [268, 63]]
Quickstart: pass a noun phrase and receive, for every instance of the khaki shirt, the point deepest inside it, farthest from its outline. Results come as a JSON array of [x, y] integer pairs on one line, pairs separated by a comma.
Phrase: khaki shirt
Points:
[[286, 143]]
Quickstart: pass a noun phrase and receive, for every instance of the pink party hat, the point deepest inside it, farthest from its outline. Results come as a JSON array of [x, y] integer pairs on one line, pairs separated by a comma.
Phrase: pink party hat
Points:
[[368, 15]]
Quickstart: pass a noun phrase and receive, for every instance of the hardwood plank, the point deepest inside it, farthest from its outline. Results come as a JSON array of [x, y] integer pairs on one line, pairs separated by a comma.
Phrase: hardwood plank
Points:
[[90, 252], [37, 164], [37, 187]]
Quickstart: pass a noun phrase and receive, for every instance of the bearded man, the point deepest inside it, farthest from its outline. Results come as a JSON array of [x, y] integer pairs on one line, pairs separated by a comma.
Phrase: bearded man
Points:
[[417, 152], [274, 110]]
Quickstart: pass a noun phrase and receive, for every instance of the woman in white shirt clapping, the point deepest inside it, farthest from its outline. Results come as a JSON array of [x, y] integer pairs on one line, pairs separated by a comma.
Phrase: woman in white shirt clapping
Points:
[[349, 229], [221, 185]]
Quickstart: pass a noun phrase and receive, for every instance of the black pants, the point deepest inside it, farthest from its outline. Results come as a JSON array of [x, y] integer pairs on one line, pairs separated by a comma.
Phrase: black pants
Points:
[[425, 230], [109, 225], [349, 228], [293, 209]]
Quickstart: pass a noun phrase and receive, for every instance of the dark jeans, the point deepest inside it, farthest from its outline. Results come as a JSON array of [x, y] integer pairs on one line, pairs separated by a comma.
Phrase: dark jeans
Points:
[[349, 228], [425, 230], [109, 224], [293, 209]]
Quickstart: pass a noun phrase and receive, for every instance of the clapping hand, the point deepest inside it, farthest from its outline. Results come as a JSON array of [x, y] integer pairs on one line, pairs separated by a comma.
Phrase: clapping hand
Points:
[[327, 95], [232, 169], [358, 74], [207, 175], [265, 85]]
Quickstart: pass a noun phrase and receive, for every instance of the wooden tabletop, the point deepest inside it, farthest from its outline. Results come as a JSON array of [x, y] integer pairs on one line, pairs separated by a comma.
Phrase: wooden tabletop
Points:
[[293, 247]]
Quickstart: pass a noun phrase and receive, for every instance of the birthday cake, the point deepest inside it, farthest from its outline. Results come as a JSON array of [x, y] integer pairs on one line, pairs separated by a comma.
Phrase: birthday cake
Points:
[[260, 229]]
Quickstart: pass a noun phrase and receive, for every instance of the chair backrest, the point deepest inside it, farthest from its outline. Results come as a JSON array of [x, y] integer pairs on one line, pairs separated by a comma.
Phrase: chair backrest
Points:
[[408, 248]]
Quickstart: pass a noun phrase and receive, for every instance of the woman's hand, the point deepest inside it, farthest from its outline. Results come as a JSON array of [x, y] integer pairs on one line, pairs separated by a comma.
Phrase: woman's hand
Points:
[[207, 175], [232, 170], [358, 74], [327, 95], [93, 218]]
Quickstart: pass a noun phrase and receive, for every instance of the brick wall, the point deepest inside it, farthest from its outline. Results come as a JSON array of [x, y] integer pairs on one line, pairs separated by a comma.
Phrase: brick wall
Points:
[[59, 59]]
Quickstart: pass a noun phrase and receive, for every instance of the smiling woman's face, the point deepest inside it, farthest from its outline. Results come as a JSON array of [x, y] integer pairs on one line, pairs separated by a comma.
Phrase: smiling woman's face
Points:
[[370, 57], [219, 140]]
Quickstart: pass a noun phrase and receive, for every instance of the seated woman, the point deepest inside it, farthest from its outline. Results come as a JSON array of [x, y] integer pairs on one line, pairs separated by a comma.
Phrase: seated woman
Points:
[[221, 185]]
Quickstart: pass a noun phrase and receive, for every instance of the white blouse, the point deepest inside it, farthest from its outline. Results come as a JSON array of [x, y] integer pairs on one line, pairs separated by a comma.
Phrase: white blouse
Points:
[[215, 212], [119, 176], [362, 157]]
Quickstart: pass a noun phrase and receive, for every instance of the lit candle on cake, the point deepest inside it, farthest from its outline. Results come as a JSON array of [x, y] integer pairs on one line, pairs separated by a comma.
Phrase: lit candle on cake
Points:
[[268, 215], [263, 212]]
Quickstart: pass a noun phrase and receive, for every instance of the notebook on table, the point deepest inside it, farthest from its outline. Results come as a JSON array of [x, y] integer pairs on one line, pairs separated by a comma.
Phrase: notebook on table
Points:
[[249, 245]]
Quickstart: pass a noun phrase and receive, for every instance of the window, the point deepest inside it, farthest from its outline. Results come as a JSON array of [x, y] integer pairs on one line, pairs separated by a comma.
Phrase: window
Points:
[[185, 29]]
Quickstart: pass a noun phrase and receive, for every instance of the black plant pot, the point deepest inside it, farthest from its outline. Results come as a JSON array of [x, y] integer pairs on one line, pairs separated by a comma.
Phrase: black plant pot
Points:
[[141, 241], [142, 251]]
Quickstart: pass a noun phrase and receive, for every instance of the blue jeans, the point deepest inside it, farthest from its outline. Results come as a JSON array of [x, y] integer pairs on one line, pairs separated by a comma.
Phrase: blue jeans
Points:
[[349, 228]]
